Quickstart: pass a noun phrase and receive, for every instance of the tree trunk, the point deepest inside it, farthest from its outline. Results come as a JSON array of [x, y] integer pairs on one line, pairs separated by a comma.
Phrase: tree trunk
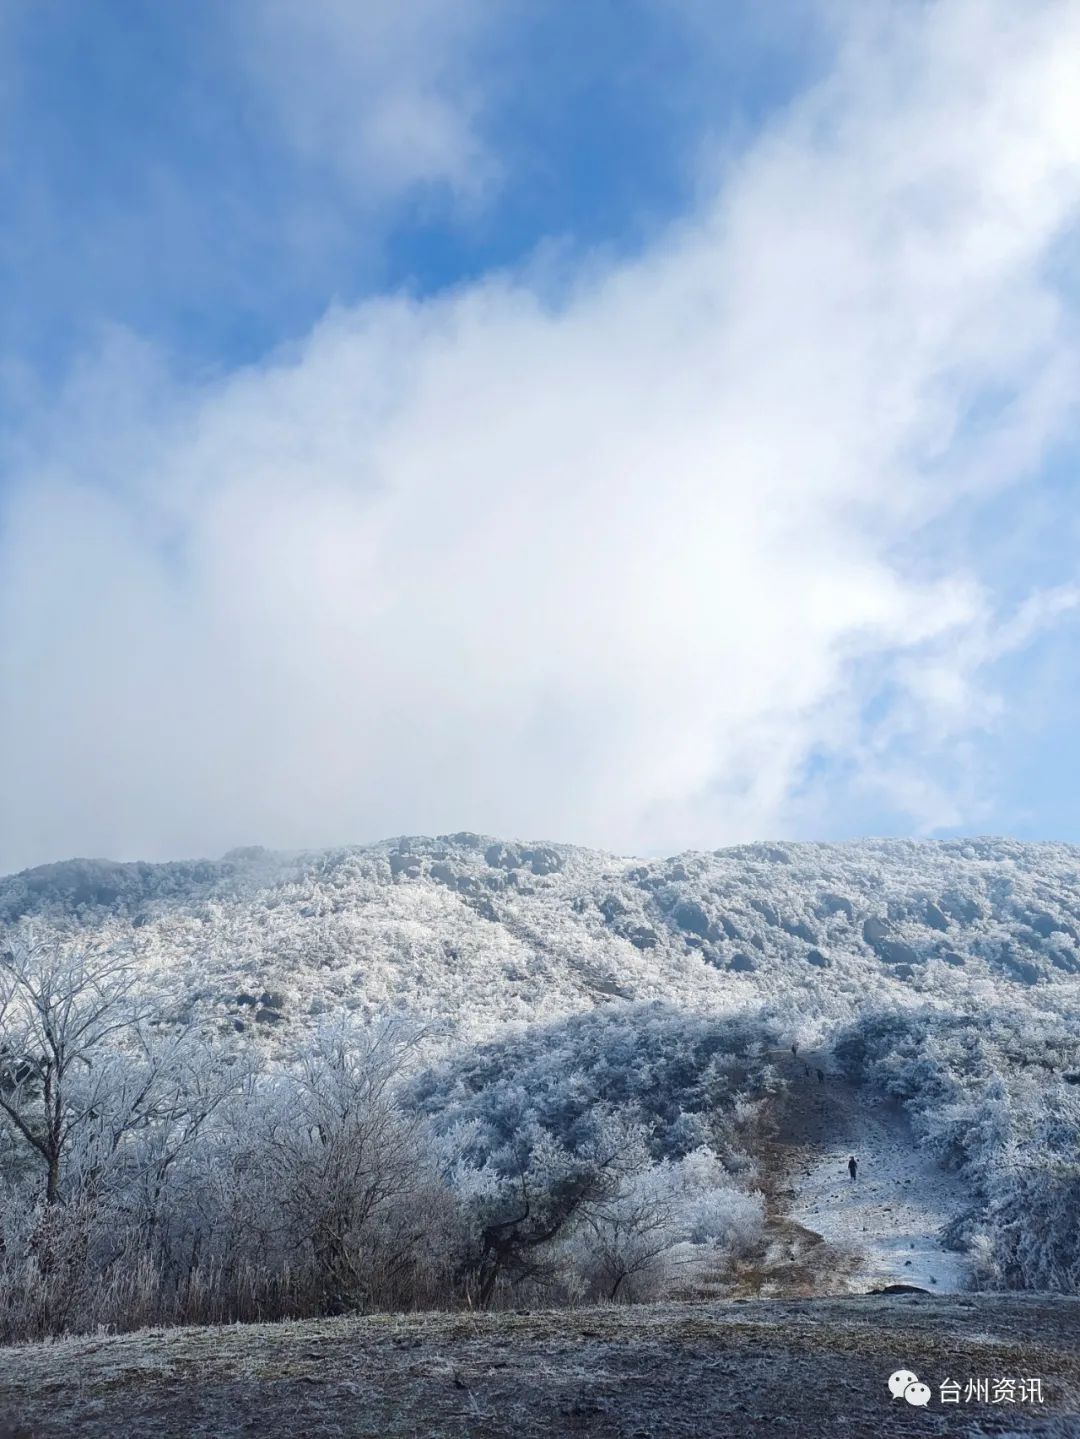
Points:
[[52, 1181]]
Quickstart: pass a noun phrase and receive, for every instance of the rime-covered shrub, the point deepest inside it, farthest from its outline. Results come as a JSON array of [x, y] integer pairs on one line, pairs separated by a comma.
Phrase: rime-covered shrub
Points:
[[154, 1176], [1032, 1234], [687, 1079], [663, 1229]]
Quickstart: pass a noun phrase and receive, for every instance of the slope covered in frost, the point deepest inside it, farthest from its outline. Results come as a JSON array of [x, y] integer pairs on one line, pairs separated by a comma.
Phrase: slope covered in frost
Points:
[[476, 932], [575, 1003]]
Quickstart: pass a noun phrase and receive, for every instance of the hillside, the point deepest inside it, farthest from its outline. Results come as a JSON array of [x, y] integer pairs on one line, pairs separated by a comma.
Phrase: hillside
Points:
[[476, 932], [463, 1072]]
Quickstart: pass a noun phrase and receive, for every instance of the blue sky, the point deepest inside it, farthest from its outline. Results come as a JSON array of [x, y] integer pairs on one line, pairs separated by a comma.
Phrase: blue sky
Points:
[[648, 424], [151, 182]]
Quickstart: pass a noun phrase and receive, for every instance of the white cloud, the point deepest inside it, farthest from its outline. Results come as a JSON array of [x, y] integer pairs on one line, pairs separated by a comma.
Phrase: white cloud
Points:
[[383, 95], [607, 569]]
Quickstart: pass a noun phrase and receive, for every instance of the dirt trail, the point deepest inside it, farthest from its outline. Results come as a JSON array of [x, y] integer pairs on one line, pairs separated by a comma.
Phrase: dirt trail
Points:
[[885, 1226]]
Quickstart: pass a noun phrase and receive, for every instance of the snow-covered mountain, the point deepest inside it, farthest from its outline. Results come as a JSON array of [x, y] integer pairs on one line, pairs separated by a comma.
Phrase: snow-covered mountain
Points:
[[726, 1027], [477, 931]]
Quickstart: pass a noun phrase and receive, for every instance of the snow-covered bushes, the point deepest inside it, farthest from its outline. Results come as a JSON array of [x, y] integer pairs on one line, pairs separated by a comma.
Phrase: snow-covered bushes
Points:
[[664, 1228], [153, 1176], [236, 1147], [478, 934], [1032, 1229], [689, 1079], [606, 1154]]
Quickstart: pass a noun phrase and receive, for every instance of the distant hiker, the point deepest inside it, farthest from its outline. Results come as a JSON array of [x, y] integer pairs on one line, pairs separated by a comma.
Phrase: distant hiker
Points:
[[794, 1051], [821, 1076], [853, 1168], [806, 1067]]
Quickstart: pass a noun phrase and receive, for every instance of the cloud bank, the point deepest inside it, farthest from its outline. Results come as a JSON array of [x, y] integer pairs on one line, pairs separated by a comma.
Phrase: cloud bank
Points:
[[631, 554]]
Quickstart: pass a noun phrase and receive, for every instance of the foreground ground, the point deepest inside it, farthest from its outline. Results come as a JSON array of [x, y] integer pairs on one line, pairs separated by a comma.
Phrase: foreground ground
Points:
[[761, 1367]]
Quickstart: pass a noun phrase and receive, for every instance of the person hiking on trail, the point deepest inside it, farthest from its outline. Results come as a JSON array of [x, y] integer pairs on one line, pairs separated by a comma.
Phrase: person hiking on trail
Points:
[[821, 1076], [794, 1051], [853, 1168], [806, 1067]]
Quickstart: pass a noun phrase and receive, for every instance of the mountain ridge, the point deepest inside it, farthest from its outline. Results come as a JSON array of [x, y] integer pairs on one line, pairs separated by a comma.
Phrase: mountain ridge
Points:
[[479, 930]]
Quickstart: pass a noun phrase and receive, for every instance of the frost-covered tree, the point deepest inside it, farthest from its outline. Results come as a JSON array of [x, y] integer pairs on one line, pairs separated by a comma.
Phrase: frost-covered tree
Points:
[[100, 1108], [664, 1226], [536, 1189], [345, 1173], [67, 1087]]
